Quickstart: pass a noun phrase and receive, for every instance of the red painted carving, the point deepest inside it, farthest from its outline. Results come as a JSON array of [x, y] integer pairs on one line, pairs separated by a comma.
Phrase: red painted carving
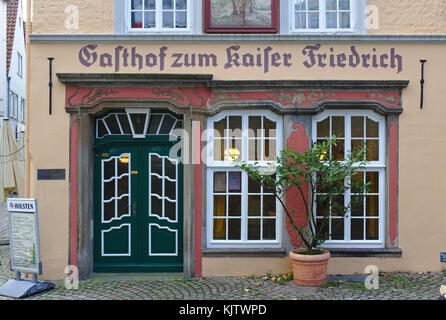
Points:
[[299, 141], [393, 182]]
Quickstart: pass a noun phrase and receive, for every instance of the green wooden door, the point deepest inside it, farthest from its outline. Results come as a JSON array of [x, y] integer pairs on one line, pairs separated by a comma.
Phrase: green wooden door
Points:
[[138, 218]]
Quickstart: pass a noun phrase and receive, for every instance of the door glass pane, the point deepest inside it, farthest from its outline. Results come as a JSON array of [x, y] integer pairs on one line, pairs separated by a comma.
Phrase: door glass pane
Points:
[[170, 210], [109, 210], [109, 190], [123, 207], [170, 169], [156, 206], [138, 122], [156, 186], [123, 186], [170, 189], [156, 165], [123, 164], [109, 169]]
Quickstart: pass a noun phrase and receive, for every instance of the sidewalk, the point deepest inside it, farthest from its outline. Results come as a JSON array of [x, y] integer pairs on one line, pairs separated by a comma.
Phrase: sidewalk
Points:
[[173, 287], [4, 233]]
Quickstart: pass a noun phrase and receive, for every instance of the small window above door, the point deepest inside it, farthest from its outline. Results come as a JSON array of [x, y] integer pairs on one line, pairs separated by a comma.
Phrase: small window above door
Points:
[[138, 123]]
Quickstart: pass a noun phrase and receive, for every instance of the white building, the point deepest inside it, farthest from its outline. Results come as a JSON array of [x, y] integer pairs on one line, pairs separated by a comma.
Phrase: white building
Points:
[[15, 90], [3, 87]]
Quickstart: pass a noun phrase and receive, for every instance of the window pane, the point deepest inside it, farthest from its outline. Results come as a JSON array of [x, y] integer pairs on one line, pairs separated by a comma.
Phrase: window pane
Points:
[[149, 4], [220, 182], [356, 144], [322, 225], [269, 229], [254, 206], [344, 4], [269, 206], [332, 5], [234, 151], [154, 124], [373, 177], [372, 203], [338, 127], [358, 127], [234, 229], [372, 150], [235, 182], [235, 127], [357, 230], [270, 150], [112, 124], [181, 4], [181, 20], [372, 129], [167, 19], [219, 128], [125, 125], [136, 4], [235, 206], [337, 206], [138, 122], [149, 19], [254, 229], [300, 5], [270, 128], [313, 20], [337, 229], [255, 127], [219, 206], [254, 149], [332, 20], [219, 149], [323, 128], [339, 150], [167, 4], [357, 207], [167, 125], [253, 186], [344, 20], [372, 229], [301, 20], [136, 20], [322, 206], [219, 229], [313, 4]]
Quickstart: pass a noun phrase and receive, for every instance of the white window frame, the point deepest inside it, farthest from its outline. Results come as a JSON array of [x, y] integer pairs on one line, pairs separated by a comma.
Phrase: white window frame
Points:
[[158, 19], [375, 166], [354, 17], [228, 166]]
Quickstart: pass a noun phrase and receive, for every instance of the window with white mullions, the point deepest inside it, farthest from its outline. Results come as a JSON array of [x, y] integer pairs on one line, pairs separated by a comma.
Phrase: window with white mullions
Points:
[[157, 15], [363, 225], [240, 212], [323, 15]]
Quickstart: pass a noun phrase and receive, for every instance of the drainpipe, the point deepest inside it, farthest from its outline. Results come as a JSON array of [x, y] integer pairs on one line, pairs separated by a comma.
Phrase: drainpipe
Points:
[[8, 96], [28, 101]]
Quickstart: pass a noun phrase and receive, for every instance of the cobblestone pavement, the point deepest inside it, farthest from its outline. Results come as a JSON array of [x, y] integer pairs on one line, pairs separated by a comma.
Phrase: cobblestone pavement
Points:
[[4, 234], [391, 287]]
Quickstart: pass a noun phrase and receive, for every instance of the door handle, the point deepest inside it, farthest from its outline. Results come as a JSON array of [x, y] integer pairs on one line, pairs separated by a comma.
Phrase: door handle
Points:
[[133, 206]]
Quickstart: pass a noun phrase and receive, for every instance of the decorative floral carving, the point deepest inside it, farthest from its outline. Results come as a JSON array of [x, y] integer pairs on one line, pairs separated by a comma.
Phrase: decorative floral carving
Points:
[[99, 93], [388, 98]]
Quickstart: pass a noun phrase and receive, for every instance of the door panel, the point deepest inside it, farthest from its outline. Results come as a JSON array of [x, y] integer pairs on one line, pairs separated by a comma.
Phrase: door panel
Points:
[[138, 216]]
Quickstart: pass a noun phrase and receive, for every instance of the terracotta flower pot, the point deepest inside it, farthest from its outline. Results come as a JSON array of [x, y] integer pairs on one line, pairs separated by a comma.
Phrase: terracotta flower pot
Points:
[[309, 270]]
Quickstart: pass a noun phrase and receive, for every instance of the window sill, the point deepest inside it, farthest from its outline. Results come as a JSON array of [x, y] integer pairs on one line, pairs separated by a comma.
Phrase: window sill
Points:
[[366, 253], [245, 253]]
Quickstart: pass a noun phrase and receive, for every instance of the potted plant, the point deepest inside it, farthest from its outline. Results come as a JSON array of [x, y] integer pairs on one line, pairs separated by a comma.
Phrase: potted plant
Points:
[[320, 180]]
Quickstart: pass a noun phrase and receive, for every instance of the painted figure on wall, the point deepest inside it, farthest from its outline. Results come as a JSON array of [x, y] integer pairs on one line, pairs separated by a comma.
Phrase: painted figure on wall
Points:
[[241, 13]]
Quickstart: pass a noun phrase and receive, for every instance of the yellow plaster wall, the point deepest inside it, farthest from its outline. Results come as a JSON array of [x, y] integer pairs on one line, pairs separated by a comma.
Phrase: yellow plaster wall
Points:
[[410, 16], [49, 149], [50, 16], [422, 173]]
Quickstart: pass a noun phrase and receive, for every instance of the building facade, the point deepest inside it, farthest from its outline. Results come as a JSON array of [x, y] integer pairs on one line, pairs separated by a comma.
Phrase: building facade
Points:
[[130, 156], [13, 64]]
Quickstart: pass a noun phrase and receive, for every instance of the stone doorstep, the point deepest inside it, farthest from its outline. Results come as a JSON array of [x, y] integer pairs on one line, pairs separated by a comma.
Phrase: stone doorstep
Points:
[[356, 278]]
